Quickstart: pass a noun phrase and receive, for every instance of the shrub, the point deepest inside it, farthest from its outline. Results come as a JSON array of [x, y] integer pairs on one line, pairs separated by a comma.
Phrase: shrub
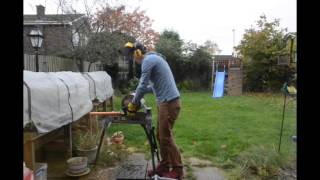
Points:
[[185, 85], [261, 161], [133, 83], [112, 154], [88, 140]]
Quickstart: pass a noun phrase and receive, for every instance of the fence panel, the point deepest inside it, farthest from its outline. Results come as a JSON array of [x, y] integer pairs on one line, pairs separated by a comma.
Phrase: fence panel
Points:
[[54, 64]]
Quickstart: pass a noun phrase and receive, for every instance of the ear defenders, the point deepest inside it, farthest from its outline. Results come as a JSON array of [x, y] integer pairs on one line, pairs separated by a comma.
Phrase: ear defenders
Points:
[[138, 49], [137, 53], [129, 45]]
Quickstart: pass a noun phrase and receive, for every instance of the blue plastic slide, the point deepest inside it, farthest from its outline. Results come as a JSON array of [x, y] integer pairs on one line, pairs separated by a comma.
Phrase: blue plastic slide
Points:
[[219, 85]]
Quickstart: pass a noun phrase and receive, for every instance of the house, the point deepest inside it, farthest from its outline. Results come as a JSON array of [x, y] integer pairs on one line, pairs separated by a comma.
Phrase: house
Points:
[[62, 32]]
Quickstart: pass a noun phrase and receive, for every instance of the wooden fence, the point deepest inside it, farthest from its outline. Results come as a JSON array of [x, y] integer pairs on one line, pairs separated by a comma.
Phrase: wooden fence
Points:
[[55, 64]]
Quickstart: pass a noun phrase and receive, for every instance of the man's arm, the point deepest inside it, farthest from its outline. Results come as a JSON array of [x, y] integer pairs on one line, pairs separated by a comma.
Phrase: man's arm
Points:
[[149, 89], [143, 82]]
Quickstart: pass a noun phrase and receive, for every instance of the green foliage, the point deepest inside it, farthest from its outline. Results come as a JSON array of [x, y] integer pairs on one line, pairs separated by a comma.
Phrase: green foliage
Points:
[[188, 62], [199, 66], [112, 154], [261, 161], [127, 87], [260, 49], [170, 45], [133, 83], [87, 141], [185, 85], [104, 47], [236, 133], [123, 86], [239, 122], [133, 22], [211, 47]]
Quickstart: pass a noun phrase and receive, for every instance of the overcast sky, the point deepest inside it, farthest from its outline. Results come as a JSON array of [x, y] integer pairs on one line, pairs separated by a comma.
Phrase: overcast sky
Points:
[[199, 20]]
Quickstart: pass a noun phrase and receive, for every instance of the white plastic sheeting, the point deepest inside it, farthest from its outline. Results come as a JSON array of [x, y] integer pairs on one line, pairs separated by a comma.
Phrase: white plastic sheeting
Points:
[[56, 99], [79, 95], [91, 86], [26, 118], [102, 85]]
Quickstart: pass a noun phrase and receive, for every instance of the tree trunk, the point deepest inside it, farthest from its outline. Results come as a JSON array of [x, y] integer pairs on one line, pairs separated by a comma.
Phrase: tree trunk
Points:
[[89, 66], [80, 65]]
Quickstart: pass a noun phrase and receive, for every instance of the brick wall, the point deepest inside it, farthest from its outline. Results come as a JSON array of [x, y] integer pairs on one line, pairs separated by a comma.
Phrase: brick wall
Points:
[[235, 82], [57, 39]]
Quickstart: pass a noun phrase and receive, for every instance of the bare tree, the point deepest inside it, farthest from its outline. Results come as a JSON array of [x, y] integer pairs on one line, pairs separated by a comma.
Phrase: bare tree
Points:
[[136, 24], [212, 47], [103, 29]]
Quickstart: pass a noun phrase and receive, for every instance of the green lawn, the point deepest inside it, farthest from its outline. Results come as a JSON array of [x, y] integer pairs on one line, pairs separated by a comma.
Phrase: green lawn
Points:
[[205, 124]]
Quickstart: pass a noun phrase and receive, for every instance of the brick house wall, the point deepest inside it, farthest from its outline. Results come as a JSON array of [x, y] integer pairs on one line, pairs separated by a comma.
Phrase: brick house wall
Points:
[[56, 29], [57, 39]]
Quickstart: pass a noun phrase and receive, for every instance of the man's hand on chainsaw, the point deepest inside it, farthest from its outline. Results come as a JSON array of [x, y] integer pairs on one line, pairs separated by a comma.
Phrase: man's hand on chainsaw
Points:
[[132, 109]]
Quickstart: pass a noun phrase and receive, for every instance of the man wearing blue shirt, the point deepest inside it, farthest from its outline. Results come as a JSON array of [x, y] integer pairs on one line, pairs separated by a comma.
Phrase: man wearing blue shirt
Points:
[[156, 77]]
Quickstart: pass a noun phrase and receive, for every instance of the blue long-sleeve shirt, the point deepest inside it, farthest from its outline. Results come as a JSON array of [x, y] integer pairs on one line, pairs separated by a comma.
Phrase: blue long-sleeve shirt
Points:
[[156, 70]]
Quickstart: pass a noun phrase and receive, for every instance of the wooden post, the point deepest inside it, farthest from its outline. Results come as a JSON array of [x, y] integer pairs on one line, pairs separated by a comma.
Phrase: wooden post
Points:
[[94, 124], [111, 102], [105, 105], [29, 154], [33, 141], [212, 79], [68, 138]]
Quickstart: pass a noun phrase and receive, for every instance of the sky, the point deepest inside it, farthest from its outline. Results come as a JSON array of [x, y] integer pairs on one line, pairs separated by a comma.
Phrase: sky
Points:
[[198, 20]]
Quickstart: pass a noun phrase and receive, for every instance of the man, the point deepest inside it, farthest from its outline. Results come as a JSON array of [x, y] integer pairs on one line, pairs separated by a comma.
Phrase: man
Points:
[[155, 69]]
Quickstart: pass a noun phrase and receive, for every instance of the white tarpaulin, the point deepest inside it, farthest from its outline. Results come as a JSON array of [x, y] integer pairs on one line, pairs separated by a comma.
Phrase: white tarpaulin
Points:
[[91, 86], [56, 98], [78, 87], [102, 85], [26, 118]]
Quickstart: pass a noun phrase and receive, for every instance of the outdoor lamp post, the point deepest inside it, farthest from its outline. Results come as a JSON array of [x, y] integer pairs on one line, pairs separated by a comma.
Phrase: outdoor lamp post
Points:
[[291, 37], [36, 38]]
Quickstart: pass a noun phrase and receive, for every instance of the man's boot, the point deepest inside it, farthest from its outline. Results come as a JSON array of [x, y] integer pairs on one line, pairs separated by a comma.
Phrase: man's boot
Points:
[[175, 173], [160, 170]]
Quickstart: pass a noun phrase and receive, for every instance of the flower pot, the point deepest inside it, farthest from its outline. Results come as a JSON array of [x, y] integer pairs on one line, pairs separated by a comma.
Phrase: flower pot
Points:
[[77, 165], [89, 153]]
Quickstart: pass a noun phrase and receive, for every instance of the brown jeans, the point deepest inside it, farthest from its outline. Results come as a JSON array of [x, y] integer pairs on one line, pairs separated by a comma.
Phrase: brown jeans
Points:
[[168, 112]]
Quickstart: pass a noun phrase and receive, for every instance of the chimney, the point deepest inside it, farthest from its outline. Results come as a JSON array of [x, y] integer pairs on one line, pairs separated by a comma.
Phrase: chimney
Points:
[[40, 11]]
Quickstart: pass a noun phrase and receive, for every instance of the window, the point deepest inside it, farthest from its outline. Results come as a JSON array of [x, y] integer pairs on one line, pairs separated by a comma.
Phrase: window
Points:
[[75, 38]]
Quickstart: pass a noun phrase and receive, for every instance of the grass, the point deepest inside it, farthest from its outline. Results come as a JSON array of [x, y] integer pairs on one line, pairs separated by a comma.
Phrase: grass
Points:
[[221, 129]]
